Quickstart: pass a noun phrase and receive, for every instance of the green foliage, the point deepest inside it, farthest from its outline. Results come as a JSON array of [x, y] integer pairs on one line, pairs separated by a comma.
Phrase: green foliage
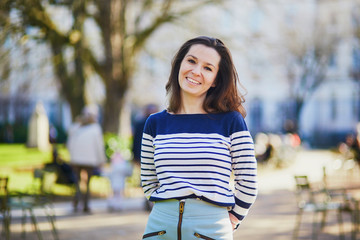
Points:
[[115, 143], [13, 133]]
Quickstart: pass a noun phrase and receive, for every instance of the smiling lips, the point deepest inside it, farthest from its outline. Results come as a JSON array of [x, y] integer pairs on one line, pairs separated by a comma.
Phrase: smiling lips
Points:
[[192, 81]]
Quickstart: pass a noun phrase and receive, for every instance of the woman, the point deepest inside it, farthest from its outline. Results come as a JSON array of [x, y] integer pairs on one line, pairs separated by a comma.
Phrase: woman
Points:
[[190, 150], [87, 152]]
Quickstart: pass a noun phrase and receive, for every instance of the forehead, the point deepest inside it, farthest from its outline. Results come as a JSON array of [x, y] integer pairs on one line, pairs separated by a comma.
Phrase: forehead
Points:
[[204, 53]]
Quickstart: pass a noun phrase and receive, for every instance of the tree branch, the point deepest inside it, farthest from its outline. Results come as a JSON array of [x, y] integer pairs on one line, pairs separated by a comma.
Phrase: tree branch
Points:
[[164, 17]]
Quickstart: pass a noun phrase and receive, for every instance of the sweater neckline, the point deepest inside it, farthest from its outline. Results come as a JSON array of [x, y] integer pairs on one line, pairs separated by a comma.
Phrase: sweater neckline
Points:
[[187, 114]]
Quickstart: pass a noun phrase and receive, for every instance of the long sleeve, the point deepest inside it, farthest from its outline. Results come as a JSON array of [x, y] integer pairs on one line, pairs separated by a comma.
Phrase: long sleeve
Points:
[[149, 179], [245, 173]]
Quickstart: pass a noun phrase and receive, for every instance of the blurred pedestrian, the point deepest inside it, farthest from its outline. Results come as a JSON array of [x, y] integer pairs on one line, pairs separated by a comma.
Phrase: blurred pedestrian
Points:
[[138, 131], [355, 146], [120, 169], [65, 173], [53, 134], [190, 149], [137, 136], [87, 153]]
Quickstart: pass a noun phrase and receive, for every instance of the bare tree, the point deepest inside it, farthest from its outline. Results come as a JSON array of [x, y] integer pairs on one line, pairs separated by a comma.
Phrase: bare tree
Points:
[[124, 25], [307, 64]]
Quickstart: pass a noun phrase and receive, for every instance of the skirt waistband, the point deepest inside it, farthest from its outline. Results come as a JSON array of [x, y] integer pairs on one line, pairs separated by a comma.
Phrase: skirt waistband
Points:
[[192, 208]]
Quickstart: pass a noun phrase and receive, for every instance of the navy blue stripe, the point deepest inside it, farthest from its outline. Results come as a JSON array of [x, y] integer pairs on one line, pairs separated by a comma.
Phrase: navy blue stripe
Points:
[[249, 181], [173, 158], [145, 163], [244, 186], [146, 145], [241, 143], [238, 137], [185, 143], [195, 178], [151, 152], [240, 217], [245, 162], [193, 165], [195, 184], [222, 204], [242, 174], [188, 153], [148, 175], [243, 149], [190, 137], [244, 168], [147, 139], [175, 189], [186, 147], [252, 156], [249, 194], [145, 185], [147, 190], [226, 175], [148, 169], [242, 203]]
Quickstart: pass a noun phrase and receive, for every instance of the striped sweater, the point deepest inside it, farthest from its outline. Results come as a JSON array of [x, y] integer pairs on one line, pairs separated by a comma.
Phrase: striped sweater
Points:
[[206, 156]]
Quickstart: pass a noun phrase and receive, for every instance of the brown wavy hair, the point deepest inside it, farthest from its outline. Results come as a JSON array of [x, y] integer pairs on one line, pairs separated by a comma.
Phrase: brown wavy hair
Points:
[[225, 96]]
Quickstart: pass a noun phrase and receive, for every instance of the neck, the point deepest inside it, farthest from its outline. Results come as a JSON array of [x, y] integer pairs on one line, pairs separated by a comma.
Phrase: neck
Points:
[[191, 106]]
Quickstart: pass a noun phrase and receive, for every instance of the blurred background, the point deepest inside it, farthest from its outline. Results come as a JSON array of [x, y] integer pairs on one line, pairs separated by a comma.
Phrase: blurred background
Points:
[[299, 61]]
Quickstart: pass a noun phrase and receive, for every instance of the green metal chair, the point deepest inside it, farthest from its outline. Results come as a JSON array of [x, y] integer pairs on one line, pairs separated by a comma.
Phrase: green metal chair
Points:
[[26, 202], [40, 197], [4, 207], [13, 201], [319, 201]]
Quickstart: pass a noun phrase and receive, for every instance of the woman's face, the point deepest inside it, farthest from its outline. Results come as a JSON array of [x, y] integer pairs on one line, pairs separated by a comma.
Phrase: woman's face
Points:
[[198, 71]]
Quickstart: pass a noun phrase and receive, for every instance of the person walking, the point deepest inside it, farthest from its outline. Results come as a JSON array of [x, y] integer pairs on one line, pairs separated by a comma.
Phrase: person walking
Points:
[[139, 124], [87, 153], [190, 150]]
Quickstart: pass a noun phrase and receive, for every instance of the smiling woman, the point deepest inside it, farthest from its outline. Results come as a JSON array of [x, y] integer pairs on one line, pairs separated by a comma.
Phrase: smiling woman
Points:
[[191, 149], [197, 74]]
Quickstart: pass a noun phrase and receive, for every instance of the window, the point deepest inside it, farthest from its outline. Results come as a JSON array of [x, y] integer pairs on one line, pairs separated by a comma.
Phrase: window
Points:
[[333, 107]]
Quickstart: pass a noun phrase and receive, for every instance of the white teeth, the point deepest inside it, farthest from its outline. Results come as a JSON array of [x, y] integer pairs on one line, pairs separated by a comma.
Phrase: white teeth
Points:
[[192, 81]]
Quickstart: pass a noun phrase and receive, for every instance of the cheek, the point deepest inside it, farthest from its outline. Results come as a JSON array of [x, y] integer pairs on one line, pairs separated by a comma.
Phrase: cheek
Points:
[[211, 79], [182, 69]]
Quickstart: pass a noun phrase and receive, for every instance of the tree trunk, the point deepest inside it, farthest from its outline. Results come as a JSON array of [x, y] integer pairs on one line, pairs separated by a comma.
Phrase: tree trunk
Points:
[[117, 67], [298, 109], [114, 103], [72, 89]]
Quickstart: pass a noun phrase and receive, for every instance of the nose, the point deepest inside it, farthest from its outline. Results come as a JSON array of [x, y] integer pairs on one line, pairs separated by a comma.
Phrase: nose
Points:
[[196, 70]]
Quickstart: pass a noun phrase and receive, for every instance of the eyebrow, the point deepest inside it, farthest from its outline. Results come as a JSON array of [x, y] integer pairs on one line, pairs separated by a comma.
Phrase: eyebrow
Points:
[[207, 63]]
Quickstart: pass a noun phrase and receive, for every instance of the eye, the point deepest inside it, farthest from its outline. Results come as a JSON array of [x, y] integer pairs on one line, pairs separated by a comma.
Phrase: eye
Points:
[[191, 60], [208, 69]]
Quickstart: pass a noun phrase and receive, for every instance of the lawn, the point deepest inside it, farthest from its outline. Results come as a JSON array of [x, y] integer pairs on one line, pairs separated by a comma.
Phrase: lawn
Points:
[[19, 162]]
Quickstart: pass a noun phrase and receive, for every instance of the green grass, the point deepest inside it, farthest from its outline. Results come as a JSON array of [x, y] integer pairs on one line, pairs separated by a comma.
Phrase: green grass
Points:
[[19, 162], [18, 155]]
